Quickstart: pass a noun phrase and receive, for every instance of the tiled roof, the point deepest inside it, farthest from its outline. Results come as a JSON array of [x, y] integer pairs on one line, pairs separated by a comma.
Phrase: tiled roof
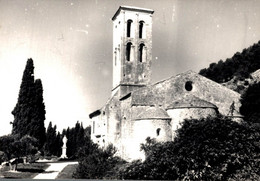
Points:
[[153, 113], [190, 101]]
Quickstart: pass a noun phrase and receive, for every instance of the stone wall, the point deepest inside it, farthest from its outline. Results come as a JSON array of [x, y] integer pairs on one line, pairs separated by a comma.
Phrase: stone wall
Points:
[[179, 115], [165, 92], [141, 129]]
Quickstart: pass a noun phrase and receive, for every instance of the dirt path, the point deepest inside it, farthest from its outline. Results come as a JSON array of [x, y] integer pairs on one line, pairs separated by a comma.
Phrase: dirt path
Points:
[[53, 170]]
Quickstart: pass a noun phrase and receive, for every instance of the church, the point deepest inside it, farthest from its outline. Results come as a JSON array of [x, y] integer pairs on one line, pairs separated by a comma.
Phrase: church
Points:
[[137, 108]]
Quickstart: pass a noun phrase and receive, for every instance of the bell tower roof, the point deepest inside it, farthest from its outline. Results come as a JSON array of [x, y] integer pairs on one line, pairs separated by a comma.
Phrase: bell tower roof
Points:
[[132, 8]]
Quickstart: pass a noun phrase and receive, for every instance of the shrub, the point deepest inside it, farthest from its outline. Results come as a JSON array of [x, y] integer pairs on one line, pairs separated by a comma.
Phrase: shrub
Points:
[[3, 157], [207, 149], [250, 101], [159, 163], [214, 148], [98, 163]]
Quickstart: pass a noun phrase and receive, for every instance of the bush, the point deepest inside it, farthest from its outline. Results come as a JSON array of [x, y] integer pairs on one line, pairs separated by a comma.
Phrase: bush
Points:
[[250, 101], [207, 149], [159, 163], [98, 163], [3, 157]]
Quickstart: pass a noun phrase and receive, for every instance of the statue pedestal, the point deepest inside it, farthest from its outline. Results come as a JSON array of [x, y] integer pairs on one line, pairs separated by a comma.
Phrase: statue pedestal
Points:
[[63, 155]]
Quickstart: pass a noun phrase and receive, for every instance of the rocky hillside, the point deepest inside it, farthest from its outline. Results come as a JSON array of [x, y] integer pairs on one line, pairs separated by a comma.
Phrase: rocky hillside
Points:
[[241, 84]]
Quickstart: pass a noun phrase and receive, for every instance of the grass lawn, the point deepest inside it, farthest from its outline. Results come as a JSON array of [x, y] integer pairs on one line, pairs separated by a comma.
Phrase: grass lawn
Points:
[[24, 170], [67, 172]]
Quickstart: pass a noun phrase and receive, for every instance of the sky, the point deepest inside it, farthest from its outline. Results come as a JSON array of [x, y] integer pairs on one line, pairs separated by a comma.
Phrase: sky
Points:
[[70, 42]]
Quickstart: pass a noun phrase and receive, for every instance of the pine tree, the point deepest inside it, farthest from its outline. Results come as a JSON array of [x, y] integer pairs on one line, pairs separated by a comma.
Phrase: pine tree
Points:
[[29, 112]]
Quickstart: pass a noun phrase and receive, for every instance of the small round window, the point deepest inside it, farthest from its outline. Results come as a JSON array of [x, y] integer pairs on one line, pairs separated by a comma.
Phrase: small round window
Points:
[[188, 86]]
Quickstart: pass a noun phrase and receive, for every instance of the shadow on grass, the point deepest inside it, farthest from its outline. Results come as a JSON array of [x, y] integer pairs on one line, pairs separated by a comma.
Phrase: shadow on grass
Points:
[[32, 170]]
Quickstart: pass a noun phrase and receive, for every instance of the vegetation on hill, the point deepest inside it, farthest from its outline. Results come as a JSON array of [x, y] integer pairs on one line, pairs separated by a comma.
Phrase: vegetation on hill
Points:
[[241, 65], [29, 112]]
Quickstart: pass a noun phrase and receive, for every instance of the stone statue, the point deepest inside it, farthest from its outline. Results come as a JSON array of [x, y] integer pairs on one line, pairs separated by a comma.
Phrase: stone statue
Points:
[[64, 140], [64, 147]]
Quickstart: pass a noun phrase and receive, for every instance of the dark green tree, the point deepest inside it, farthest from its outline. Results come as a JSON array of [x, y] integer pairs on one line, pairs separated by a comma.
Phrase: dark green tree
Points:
[[37, 124], [29, 112], [24, 147], [13, 147], [50, 143], [5, 145], [53, 143], [250, 103], [76, 139], [59, 144], [24, 107]]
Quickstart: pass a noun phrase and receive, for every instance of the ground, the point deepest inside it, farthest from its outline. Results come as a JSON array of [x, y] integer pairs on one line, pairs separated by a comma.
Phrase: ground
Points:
[[24, 171], [41, 170]]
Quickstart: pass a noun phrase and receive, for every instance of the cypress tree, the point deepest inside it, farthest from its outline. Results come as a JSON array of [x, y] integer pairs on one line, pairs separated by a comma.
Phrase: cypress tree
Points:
[[49, 146], [58, 145], [77, 138], [37, 124], [29, 112]]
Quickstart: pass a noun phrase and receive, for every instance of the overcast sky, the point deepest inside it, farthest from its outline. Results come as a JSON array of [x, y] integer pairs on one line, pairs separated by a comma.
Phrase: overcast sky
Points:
[[70, 42]]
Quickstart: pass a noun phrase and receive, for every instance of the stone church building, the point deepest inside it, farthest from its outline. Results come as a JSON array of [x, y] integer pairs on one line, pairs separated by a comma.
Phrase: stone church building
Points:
[[138, 109]]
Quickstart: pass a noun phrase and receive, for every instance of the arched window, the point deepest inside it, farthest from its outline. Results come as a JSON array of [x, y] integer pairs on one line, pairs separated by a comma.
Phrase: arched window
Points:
[[141, 29], [128, 28], [128, 51], [141, 53], [158, 131]]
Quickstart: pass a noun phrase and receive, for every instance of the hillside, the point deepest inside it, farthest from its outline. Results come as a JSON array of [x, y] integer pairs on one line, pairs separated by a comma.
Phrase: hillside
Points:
[[236, 72]]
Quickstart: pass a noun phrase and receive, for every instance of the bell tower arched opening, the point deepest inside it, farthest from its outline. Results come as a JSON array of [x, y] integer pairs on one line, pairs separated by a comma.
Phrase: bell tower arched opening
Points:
[[141, 29], [129, 24]]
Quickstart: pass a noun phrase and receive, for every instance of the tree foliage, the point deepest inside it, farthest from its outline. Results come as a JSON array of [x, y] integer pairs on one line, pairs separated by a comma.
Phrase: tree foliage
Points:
[[29, 112], [53, 144], [207, 149], [97, 163], [250, 103], [5, 145], [240, 65], [77, 138], [13, 147]]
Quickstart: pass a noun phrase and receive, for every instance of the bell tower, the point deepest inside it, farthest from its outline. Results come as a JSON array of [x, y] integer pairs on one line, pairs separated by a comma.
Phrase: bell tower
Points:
[[132, 48]]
